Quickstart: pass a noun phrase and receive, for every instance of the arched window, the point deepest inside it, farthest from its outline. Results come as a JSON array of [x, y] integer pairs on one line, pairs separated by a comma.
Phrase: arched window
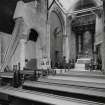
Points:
[[33, 35]]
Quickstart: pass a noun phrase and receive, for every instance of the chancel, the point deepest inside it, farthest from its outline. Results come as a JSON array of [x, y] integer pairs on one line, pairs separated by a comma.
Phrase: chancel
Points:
[[52, 52]]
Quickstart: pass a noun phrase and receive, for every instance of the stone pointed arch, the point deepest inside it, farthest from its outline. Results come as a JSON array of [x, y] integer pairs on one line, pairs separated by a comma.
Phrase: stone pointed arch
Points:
[[60, 15], [57, 31]]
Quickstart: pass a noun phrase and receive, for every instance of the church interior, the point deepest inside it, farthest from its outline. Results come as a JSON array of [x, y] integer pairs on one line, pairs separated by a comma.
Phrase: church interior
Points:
[[52, 52]]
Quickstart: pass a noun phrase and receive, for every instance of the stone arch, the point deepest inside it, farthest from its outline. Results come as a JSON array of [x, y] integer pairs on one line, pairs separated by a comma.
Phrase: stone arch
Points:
[[59, 13], [82, 48], [57, 29]]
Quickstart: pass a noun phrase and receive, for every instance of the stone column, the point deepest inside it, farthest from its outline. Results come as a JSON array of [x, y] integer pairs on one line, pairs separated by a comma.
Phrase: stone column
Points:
[[66, 47], [0, 52], [22, 53], [66, 40], [48, 43], [23, 39], [103, 44]]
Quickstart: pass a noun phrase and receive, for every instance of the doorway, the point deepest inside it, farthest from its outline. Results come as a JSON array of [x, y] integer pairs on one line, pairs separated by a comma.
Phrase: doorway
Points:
[[56, 39]]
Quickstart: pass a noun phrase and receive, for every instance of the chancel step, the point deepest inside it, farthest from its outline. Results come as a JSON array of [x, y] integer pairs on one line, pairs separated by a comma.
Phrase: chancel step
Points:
[[81, 79], [74, 83], [92, 74], [44, 98], [93, 94]]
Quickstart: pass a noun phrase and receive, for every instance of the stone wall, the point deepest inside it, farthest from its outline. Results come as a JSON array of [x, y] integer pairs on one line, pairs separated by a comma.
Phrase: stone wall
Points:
[[99, 31], [34, 18], [4, 44]]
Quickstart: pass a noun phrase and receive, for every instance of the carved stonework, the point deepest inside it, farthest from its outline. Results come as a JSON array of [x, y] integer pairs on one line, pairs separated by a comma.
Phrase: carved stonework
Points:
[[89, 19]]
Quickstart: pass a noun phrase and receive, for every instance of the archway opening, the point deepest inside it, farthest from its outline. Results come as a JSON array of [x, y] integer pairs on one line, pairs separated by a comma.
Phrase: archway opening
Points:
[[84, 28], [83, 25], [31, 49], [56, 39], [33, 35]]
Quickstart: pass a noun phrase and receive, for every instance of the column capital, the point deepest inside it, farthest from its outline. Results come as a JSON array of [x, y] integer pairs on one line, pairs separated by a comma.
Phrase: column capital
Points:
[[99, 12], [70, 17]]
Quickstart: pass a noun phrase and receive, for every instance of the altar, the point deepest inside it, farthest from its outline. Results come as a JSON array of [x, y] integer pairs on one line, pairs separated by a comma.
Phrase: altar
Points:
[[80, 65]]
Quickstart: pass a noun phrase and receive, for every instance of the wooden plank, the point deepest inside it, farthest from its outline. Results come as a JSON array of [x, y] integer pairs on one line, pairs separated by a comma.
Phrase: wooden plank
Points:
[[6, 75], [64, 88], [40, 97], [27, 72]]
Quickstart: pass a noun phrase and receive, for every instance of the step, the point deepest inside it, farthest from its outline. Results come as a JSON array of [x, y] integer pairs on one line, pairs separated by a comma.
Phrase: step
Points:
[[45, 98], [82, 79], [74, 83], [93, 94], [96, 72], [79, 69], [73, 73]]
